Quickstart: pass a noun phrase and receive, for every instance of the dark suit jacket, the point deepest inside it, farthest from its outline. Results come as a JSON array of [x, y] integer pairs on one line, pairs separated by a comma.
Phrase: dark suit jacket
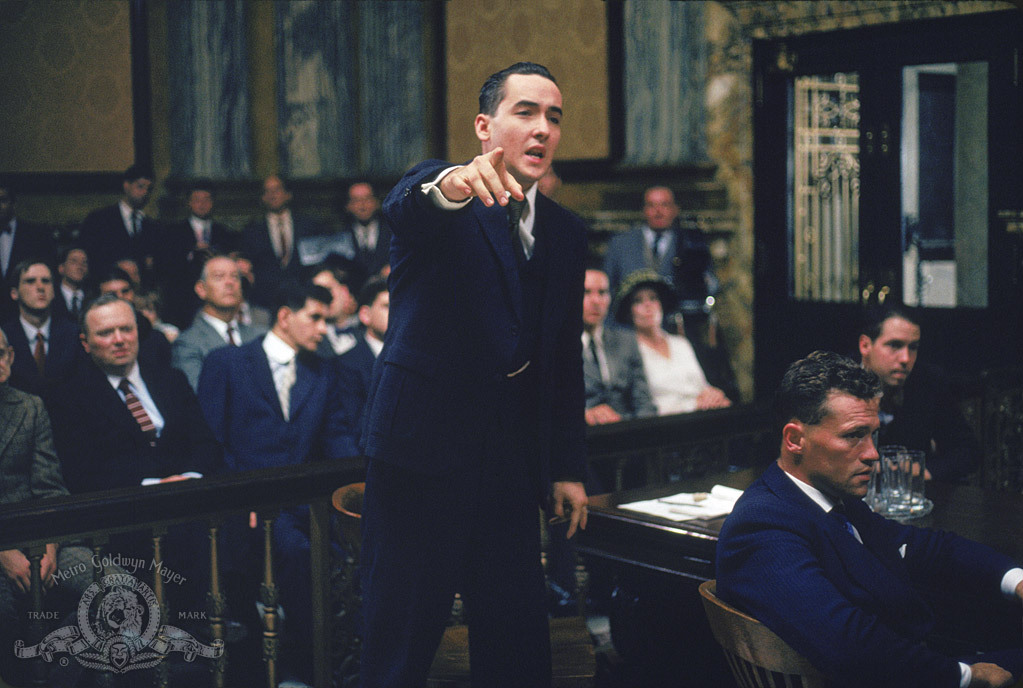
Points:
[[101, 445], [31, 241], [929, 412], [852, 609], [255, 244], [240, 403], [376, 259], [64, 357], [627, 391], [29, 468], [178, 264], [453, 330], [106, 240]]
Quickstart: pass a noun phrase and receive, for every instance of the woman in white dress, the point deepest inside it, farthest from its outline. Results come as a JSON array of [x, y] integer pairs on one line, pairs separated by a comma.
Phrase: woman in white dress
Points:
[[676, 380]]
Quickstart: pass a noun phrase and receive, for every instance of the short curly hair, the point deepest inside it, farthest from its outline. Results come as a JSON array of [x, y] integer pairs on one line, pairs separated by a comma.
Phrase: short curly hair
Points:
[[803, 393]]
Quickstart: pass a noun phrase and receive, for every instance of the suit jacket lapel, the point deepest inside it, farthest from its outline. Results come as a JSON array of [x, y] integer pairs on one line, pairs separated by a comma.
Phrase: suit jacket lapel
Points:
[[12, 414], [494, 225], [306, 374], [259, 370]]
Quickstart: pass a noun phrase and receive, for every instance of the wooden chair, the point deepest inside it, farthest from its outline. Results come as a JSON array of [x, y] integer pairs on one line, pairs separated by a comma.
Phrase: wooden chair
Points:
[[757, 657]]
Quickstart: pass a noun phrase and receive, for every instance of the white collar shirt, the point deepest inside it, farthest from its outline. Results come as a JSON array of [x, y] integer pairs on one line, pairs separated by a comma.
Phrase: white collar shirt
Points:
[[31, 332], [138, 386], [221, 327]]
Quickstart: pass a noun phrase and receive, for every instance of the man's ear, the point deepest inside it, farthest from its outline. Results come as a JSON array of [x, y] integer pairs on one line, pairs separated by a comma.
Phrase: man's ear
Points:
[[200, 290], [866, 343], [793, 437], [482, 127], [363, 314], [14, 294]]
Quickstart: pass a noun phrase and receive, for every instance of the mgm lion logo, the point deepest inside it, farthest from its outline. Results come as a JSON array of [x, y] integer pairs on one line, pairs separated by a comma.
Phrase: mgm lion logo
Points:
[[119, 630]]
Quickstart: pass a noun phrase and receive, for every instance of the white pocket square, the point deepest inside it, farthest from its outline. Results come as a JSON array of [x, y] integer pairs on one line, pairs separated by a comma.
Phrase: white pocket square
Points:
[[902, 551]]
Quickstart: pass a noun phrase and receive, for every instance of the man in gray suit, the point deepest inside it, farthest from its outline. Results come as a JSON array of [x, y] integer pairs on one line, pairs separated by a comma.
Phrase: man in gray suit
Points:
[[29, 469], [216, 324], [616, 386]]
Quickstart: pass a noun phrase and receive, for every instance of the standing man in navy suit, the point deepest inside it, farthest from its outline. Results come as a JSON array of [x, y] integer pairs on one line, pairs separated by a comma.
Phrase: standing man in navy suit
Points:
[[123, 230], [476, 415], [842, 585], [19, 240]]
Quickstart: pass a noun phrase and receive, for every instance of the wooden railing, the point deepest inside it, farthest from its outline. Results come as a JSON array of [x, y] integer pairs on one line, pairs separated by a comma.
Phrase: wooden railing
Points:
[[94, 518]]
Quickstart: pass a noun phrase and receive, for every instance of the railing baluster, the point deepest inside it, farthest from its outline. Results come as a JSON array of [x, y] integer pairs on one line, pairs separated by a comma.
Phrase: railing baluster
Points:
[[320, 561], [162, 669], [268, 595], [104, 679], [36, 626], [216, 605]]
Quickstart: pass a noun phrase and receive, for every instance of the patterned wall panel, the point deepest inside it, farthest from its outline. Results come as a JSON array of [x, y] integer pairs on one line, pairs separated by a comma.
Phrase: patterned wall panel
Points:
[[569, 37], [209, 107], [66, 85]]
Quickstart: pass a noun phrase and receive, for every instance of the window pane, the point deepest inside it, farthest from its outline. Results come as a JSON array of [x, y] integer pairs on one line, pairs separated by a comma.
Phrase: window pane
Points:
[[824, 191]]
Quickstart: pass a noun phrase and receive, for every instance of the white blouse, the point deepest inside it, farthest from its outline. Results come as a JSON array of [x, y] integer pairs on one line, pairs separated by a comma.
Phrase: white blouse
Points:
[[675, 381]]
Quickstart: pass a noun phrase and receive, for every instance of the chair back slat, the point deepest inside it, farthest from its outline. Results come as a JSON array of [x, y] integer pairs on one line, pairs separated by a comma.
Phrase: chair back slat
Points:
[[757, 657]]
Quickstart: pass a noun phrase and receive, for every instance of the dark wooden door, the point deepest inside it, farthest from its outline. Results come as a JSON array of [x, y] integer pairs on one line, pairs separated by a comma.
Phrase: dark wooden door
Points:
[[888, 164]]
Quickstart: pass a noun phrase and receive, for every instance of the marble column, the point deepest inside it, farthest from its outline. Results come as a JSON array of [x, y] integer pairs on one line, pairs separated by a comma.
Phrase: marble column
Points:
[[665, 78], [209, 110]]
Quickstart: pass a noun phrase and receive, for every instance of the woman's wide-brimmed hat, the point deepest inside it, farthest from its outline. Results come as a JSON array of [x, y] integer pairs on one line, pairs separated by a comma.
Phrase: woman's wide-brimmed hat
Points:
[[641, 279]]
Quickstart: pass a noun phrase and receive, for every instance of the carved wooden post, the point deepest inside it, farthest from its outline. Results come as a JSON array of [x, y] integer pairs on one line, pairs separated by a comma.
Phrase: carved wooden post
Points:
[[104, 679], [216, 605], [36, 626], [268, 596]]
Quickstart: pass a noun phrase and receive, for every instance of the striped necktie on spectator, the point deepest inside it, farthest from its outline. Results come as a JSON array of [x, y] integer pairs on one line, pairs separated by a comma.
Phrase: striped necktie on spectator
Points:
[[138, 412]]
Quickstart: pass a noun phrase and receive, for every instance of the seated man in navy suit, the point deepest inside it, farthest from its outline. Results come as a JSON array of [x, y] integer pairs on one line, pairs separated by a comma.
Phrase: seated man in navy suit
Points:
[[46, 348], [803, 554], [274, 402]]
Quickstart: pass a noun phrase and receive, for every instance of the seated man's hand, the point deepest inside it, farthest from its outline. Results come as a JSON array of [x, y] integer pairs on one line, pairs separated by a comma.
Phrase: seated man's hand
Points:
[[986, 675], [48, 566], [486, 176], [712, 398], [175, 478], [16, 567], [601, 414]]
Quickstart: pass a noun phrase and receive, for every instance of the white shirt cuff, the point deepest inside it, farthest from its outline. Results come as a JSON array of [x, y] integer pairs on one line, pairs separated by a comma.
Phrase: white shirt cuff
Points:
[[1010, 580], [156, 481], [433, 192], [965, 675]]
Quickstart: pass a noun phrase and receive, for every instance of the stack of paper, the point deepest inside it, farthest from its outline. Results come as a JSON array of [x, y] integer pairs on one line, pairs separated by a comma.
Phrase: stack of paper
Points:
[[689, 505]]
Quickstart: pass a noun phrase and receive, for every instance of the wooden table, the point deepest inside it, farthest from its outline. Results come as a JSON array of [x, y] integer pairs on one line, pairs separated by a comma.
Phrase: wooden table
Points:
[[656, 565]]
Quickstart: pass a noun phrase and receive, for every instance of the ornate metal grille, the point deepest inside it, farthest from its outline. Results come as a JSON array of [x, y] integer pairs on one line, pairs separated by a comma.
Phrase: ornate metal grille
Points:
[[825, 188]]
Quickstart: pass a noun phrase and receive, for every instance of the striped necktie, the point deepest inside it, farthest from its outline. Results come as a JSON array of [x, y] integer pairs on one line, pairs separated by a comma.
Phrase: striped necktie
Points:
[[138, 412]]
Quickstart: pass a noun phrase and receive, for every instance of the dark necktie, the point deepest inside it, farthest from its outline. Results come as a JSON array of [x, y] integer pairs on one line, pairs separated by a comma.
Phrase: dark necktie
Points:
[[138, 412], [40, 352], [593, 351], [136, 223], [515, 210], [231, 335], [76, 305]]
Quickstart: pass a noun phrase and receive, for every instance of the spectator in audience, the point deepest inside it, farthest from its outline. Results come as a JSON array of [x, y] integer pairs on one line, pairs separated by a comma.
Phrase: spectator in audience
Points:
[[220, 290], [120, 421], [19, 240], [679, 255], [673, 372], [150, 306], [616, 386], [122, 230], [918, 409], [374, 306], [46, 348], [74, 271], [271, 242], [29, 470], [153, 345], [804, 555], [343, 279], [185, 246], [274, 402], [369, 231], [249, 313]]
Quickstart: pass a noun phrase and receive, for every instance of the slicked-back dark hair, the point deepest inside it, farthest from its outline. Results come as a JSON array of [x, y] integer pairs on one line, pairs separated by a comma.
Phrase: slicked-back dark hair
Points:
[[492, 91], [14, 276], [101, 300], [200, 184], [803, 393], [371, 290], [292, 294], [136, 172], [873, 318]]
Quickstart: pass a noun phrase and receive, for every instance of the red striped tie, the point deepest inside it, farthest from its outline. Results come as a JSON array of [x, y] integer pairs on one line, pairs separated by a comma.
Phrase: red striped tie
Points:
[[138, 412]]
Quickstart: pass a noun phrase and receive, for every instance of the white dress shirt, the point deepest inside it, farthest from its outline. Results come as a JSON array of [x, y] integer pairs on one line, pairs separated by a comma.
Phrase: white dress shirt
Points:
[[138, 386], [221, 327], [31, 332], [282, 365], [128, 215], [598, 341], [7, 244], [69, 296]]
